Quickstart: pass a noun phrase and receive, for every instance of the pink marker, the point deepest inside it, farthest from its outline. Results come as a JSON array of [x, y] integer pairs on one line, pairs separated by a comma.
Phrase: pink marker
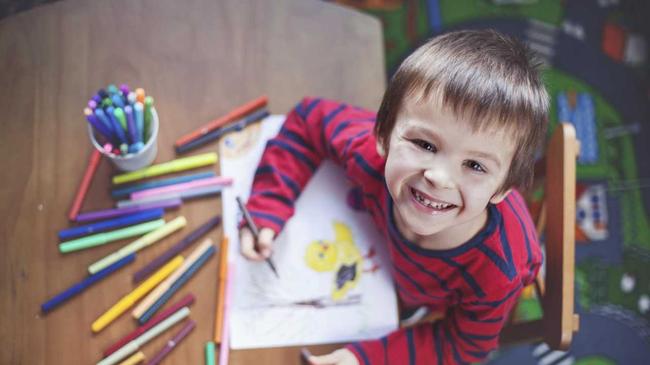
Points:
[[224, 348], [108, 148], [212, 181]]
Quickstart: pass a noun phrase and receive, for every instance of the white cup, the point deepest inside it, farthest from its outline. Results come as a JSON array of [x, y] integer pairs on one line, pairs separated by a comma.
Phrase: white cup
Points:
[[133, 161]]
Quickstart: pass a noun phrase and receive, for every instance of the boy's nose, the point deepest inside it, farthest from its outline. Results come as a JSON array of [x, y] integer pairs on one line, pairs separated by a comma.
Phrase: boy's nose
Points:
[[439, 177]]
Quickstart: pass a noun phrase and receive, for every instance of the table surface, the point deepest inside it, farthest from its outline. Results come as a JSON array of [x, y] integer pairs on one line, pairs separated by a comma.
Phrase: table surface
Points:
[[199, 59]]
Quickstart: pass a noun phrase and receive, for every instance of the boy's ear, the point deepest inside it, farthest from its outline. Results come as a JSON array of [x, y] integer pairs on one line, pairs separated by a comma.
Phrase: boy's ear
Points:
[[498, 198], [380, 148]]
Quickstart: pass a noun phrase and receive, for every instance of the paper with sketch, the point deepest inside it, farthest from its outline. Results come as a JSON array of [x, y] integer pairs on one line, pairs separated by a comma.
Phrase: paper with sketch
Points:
[[334, 283]]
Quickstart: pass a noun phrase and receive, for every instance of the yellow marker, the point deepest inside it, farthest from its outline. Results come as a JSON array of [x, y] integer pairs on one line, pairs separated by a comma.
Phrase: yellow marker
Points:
[[128, 300], [142, 242], [142, 307], [180, 164], [136, 358]]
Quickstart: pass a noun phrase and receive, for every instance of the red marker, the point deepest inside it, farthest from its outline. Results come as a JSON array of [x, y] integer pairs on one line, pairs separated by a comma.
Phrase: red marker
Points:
[[85, 184], [184, 302], [231, 116]]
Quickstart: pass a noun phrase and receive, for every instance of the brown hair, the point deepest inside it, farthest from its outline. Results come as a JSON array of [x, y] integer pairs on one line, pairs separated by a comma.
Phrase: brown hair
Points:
[[490, 78]]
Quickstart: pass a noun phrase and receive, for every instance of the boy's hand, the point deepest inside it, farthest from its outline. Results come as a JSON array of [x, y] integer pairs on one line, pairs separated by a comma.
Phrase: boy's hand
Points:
[[256, 251], [338, 357]]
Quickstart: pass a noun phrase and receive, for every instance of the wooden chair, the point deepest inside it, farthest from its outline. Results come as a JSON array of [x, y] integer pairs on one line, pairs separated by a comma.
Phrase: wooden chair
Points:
[[557, 220]]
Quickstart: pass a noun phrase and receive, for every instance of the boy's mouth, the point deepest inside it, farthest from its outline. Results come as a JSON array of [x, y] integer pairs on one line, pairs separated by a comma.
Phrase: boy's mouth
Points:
[[429, 203]]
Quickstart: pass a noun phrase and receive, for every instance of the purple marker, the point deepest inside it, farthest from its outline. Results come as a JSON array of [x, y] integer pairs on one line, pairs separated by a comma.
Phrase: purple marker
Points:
[[186, 242], [92, 104], [97, 99], [124, 88], [171, 344], [111, 213], [99, 126], [130, 122]]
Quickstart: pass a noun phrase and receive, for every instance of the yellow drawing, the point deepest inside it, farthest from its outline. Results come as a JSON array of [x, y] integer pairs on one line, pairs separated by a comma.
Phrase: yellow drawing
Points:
[[340, 256]]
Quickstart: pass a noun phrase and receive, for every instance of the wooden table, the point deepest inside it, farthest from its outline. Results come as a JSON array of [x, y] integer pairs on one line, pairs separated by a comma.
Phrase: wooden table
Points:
[[199, 59]]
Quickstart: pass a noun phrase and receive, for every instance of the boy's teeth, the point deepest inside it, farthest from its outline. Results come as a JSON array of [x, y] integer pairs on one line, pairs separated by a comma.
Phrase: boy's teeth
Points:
[[429, 203]]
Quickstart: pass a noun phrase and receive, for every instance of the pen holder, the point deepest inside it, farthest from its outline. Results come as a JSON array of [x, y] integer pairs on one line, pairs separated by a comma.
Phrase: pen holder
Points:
[[137, 160]]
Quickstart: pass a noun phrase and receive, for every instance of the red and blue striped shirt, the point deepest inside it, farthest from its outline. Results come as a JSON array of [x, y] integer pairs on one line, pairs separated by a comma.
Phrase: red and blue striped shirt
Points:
[[475, 285]]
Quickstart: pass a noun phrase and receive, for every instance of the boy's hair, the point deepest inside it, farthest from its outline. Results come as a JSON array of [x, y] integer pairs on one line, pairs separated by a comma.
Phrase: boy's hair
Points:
[[491, 79]]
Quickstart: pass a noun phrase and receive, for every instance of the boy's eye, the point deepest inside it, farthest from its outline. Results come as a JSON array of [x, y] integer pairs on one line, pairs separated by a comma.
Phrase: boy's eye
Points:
[[425, 145], [474, 166]]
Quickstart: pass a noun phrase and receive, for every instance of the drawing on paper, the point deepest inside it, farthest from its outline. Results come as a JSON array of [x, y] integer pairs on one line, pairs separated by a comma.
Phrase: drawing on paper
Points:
[[342, 257], [333, 286]]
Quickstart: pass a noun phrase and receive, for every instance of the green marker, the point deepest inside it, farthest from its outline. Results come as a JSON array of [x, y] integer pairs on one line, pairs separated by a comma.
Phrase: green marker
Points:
[[106, 237], [106, 102], [209, 353], [148, 117], [121, 117]]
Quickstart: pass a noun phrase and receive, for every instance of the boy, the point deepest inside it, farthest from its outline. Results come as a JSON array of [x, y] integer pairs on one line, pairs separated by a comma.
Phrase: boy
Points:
[[457, 131]]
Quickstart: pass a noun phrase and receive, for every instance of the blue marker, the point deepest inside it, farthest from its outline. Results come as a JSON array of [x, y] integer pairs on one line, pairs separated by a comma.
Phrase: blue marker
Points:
[[137, 146], [117, 100], [99, 126], [176, 285], [139, 120], [134, 148], [99, 112], [117, 127], [127, 220], [85, 283], [126, 191]]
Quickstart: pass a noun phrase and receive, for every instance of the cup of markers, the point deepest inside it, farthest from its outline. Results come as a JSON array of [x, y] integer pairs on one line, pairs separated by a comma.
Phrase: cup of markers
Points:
[[123, 126]]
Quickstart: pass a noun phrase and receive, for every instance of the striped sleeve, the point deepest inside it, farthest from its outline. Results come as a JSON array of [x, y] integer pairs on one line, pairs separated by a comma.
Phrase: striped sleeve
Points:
[[466, 335], [314, 130]]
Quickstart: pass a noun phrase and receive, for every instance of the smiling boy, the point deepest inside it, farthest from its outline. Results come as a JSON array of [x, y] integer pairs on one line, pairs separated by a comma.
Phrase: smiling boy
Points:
[[456, 133]]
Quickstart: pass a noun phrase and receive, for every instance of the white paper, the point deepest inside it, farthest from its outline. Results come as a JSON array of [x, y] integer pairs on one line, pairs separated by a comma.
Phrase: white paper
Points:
[[265, 310]]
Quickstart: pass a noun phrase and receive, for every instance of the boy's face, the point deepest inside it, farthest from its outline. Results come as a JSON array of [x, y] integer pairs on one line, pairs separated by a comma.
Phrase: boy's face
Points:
[[441, 175]]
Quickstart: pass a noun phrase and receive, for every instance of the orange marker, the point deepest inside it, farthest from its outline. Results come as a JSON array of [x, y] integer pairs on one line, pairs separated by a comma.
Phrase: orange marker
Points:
[[223, 272], [139, 95], [234, 114], [95, 157]]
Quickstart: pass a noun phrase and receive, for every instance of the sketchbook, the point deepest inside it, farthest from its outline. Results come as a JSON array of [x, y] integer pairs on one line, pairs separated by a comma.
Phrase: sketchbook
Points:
[[334, 283]]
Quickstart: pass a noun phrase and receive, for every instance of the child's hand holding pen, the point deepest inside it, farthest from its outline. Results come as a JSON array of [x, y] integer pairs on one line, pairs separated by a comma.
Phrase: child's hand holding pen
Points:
[[255, 244], [256, 251]]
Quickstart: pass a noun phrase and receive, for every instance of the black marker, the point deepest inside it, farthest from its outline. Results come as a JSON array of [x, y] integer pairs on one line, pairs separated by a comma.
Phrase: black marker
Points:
[[256, 232]]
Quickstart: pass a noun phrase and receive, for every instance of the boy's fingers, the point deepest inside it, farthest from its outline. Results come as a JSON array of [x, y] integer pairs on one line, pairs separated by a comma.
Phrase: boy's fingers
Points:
[[247, 244], [265, 242]]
